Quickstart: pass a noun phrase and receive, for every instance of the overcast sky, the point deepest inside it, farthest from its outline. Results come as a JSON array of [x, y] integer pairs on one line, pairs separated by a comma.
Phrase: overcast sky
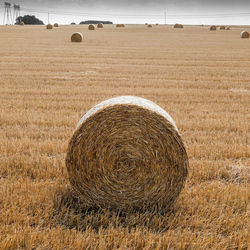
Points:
[[139, 11]]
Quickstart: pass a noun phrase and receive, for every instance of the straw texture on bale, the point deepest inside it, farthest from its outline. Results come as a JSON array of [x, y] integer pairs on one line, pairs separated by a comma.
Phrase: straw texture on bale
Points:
[[126, 152], [120, 25], [49, 27], [99, 25], [213, 27], [178, 26], [222, 27], [77, 37], [56, 25], [244, 34], [91, 27]]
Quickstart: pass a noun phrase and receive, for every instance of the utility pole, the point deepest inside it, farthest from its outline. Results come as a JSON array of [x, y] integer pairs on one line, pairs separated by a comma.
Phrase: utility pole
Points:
[[7, 13], [48, 17], [165, 15], [16, 12]]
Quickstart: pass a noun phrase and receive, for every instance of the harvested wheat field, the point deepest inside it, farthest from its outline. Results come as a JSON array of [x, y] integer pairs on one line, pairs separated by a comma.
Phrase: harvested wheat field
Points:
[[47, 84]]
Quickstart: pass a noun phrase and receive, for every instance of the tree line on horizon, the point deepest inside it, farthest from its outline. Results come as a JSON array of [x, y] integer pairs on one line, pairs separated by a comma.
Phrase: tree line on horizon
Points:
[[33, 20]]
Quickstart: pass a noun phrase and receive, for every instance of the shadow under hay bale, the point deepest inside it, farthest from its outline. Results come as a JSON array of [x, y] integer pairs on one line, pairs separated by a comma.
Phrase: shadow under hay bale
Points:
[[127, 154], [77, 37], [213, 27], [70, 212]]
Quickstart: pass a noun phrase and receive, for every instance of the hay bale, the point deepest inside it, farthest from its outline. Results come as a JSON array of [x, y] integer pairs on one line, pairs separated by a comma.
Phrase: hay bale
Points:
[[178, 26], [49, 27], [244, 34], [77, 37], [120, 25], [228, 28], [213, 27], [91, 27], [56, 25], [99, 25], [22, 23], [149, 26], [126, 152], [222, 27]]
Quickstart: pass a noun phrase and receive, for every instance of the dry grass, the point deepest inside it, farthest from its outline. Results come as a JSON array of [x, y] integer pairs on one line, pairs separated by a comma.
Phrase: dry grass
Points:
[[45, 87]]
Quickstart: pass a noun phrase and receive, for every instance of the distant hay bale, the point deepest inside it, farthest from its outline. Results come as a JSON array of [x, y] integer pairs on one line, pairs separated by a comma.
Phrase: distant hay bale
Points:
[[99, 25], [213, 27], [120, 25], [56, 25], [156, 24], [222, 27], [126, 152], [244, 34], [91, 27], [228, 28], [150, 26], [49, 27], [178, 26], [22, 23], [77, 37]]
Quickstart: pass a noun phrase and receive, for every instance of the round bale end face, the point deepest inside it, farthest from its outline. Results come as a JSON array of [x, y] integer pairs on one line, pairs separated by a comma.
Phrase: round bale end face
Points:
[[212, 28], [244, 34], [135, 160], [178, 26], [77, 37], [99, 25], [120, 25], [56, 25], [91, 27], [49, 27]]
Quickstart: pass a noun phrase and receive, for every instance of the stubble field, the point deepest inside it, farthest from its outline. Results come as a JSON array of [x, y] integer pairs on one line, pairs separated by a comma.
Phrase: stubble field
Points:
[[47, 83]]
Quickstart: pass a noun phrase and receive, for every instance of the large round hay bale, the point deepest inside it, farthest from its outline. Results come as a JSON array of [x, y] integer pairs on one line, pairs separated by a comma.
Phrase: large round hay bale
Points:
[[178, 26], [56, 25], [120, 25], [91, 27], [213, 27], [150, 26], [222, 27], [22, 23], [126, 152], [77, 37], [49, 27], [244, 34], [99, 25]]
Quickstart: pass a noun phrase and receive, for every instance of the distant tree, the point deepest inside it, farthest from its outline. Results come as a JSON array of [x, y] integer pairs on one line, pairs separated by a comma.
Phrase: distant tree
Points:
[[73, 23], [27, 19], [95, 22]]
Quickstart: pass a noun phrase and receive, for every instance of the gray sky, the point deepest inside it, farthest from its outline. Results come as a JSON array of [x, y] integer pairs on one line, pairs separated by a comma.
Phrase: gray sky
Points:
[[139, 11]]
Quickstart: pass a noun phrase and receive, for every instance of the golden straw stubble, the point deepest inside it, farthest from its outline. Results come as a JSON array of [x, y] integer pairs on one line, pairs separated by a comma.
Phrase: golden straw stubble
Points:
[[127, 156]]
